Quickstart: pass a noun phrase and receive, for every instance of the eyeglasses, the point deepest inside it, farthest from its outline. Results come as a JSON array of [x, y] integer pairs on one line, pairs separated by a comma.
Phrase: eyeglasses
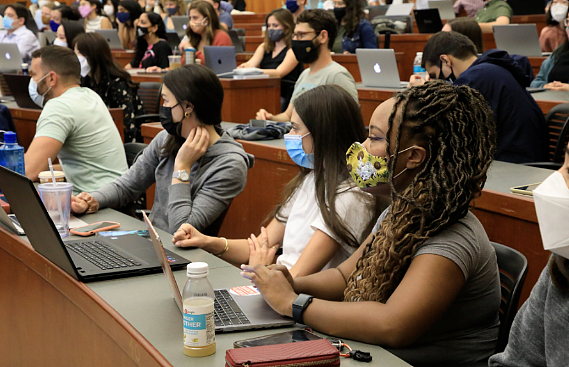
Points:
[[300, 35]]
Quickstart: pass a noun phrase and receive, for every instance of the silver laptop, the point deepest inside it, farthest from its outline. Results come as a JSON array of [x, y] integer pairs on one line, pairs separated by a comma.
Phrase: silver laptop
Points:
[[519, 39], [50, 36], [10, 221], [400, 9], [112, 37], [233, 312], [10, 57], [378, 68], [180, 24], [446, 10], [220, 59]]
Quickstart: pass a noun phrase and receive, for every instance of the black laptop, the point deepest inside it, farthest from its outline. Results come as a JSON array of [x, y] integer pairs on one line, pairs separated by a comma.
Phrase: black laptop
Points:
[[428, 20], [18, 85], [87, 259]]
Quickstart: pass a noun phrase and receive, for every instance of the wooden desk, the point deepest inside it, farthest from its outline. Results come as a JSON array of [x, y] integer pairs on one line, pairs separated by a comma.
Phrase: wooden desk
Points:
[[123, 56], [258, 93], [258, 17], [252, 42], [25, 120], [251, 29]]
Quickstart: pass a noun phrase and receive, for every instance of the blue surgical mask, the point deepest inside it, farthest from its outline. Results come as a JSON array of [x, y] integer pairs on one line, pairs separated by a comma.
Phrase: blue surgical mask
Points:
[[33, 91], [294, 149], [7, 22], [291, 5], [53, 26]]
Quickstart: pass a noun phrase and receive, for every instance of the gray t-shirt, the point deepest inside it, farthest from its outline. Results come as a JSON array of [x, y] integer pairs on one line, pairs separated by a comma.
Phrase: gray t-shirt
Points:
[[467, 332], [333, 73]]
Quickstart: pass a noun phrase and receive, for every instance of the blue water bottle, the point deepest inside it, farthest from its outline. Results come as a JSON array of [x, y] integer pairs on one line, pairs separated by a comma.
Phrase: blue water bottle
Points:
[[11, 154]]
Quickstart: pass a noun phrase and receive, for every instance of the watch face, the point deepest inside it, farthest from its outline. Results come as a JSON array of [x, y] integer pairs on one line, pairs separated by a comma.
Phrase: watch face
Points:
[[184, 176]]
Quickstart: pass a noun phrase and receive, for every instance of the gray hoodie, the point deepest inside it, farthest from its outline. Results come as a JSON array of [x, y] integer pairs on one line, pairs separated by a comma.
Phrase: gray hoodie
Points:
[[215, 179]]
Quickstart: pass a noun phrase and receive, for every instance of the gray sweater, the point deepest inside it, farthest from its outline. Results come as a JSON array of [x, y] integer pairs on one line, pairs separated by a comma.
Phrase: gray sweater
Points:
[[540, 332], [215, 179]]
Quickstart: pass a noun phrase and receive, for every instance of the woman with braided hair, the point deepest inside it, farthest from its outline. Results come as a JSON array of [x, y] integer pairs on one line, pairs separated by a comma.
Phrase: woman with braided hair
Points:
[[425, 283]]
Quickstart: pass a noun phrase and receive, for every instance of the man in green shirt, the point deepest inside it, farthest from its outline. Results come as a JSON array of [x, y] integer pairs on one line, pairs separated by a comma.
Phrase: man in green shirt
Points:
[[494, 12]]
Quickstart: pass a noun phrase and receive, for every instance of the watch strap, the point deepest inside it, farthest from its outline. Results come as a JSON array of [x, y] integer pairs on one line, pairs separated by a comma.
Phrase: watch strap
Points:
[[299, 305]]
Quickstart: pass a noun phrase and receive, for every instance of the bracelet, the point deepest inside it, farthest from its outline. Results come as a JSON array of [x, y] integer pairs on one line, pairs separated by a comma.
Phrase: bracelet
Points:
[[225, 249]]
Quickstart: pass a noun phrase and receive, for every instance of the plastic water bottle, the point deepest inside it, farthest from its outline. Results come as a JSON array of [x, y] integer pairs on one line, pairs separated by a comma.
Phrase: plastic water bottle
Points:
[[11, 154], [320, 4], [25, 70], [199, 322], [417, 69]]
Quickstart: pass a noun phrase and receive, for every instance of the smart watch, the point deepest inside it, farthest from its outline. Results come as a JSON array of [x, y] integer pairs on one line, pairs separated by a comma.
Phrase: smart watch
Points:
[[182, 175], [299, 305]]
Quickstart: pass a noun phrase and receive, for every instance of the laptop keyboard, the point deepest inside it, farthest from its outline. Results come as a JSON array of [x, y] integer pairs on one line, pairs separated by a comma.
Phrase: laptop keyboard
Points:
[[227, 312], [101, 255]]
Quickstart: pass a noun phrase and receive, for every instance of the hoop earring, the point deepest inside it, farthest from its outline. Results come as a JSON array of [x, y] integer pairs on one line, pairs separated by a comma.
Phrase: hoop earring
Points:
[[187, 114]]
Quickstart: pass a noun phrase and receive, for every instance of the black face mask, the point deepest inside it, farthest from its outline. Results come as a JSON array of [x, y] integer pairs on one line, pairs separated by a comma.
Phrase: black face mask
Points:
[[339, 13], [167, 120], [451, 78], [305, 52], [141, 32]]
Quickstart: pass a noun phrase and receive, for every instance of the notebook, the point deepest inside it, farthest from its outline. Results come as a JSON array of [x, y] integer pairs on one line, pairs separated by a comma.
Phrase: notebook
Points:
[[509, 38], [18, 85], [86, 259], [400, 9], [10, 58], [428, 20], [378, 68], [112, 37], [446, 11], [180, 24], [220, 59], [233, 312]]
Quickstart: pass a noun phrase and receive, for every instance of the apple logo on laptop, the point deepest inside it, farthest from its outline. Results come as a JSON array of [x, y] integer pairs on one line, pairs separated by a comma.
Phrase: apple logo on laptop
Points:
[[8, 57], [377, 68]]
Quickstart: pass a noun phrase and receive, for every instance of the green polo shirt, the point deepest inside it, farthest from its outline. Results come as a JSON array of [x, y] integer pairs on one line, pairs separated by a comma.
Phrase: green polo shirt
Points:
[[492, 10]]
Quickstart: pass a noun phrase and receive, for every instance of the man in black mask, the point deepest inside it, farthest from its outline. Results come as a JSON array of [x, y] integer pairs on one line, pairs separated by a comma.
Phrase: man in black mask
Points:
[[313, 39]]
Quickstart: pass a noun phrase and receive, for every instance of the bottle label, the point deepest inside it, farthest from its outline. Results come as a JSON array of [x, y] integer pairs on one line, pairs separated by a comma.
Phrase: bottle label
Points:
[[199, 323], [418, 69]]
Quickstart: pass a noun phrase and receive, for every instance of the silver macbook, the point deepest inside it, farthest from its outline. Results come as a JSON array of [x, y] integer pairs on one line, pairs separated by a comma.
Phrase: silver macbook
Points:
[[50, 36], [180, 24], [509, 38], [220, 59], [239, 308], [10, 58], [446, 10], [400, 9], [378, 68], [112, 37]]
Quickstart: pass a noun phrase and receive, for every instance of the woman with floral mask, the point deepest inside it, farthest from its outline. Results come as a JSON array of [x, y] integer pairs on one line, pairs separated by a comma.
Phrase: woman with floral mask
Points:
[[203, 30], [323, 215], [172, 8], [425, 283], [197, 167], [540, 332], [274, 56], [152, 50], [91, 10]]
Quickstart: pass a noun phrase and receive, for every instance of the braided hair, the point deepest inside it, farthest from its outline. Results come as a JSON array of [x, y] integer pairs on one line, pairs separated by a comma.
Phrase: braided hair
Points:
[[455, 125]]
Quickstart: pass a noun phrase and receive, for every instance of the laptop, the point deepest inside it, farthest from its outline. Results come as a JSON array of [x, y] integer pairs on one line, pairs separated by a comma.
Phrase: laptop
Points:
[[378, 68], [446, 11], [236, 41], [86, 259], [400, 9], [112, 37], [428, 20], [18, 85], [180, 24], [233, 311], [10, 58], [50, 36], [173, 40], [10, 221], [508, 38], [220, 59]]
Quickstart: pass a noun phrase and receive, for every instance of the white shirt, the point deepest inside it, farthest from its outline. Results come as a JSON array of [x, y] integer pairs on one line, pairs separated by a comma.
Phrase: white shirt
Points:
[[304, 218], [25, 39]]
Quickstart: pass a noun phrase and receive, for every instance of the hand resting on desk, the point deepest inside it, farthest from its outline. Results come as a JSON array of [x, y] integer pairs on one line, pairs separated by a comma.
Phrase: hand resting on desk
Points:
[[84, 203], [557, 86]]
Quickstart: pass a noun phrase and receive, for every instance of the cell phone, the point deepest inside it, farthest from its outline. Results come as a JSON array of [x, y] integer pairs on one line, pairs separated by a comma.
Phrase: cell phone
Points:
[[91, 229], [299, 335], [258, 123], [525, 189]]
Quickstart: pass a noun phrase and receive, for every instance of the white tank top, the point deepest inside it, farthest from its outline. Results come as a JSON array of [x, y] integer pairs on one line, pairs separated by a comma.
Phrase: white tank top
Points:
[[94, 24]]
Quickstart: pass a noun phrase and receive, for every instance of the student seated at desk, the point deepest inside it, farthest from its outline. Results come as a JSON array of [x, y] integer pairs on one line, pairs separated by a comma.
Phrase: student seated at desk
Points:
[[554, 34], [540, 333], [91, 10], [323, 216], [203, 30], [60, 13], [296, 7], [223, 13], [521, 127], [425, 283], [66, 33], [43, 16], [354, 31], [470, 7], [128, 13], [103, 74], [554, 71], [313, 39], [468, 27], [494, 12], [172, 8], [152, 50], [197, 167], [74, 126], [110, 10], [275, 56], [15, 18]]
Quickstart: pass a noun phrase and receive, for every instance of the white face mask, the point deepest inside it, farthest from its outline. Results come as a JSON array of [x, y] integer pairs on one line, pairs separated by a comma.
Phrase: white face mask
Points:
[[85, 68], [109, 10], [559, 12], [58, 42], [33, 91], [551, 200]]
